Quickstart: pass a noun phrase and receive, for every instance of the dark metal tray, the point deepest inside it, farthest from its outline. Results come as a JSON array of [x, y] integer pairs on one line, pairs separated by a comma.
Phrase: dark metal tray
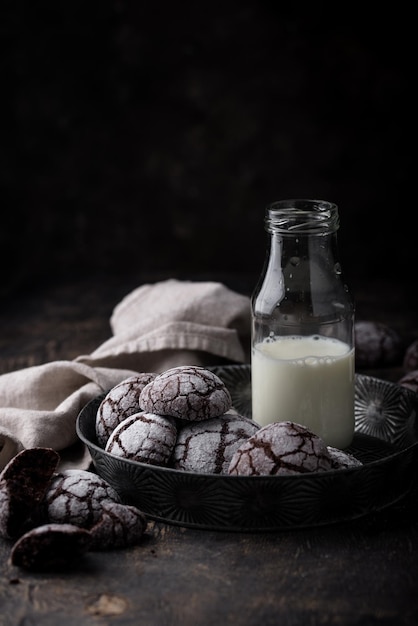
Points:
[[386, 441]]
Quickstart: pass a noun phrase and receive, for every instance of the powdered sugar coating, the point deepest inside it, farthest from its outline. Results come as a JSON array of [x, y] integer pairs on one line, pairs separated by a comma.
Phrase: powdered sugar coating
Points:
[[144, 437], [281, 448], [76, 497], [207, 446], [120, 402], [119, 526], [341, 459], [186, 392]]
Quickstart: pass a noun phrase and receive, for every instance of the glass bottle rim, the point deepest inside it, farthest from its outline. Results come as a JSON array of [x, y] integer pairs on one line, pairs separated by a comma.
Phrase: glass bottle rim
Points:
[[302, 216]]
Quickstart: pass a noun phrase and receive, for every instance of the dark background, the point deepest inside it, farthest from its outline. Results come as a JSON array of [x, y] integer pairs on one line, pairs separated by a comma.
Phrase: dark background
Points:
[[147, 138]]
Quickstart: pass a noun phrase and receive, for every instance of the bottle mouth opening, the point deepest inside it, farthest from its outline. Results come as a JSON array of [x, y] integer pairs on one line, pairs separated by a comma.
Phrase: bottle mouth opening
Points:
[[302, 216]]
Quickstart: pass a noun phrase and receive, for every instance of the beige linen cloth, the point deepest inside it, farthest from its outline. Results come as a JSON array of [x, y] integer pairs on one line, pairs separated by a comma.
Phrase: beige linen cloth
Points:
[[155, 327]]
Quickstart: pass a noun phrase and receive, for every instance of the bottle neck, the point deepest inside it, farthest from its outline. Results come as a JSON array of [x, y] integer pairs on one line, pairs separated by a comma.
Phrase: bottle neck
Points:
[[301, 289], [293, 218], [303, 244]]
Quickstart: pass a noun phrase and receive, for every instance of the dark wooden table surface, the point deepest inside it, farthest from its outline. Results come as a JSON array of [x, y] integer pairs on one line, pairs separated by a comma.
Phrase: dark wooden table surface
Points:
[[356, 574]]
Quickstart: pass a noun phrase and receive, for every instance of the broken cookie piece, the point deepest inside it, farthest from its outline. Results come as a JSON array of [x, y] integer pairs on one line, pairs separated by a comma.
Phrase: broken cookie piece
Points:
[[51, 546], [23, 484]]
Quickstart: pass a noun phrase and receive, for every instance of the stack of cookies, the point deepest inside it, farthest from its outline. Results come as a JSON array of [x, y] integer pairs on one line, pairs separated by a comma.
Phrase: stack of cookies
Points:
[[183, 418]]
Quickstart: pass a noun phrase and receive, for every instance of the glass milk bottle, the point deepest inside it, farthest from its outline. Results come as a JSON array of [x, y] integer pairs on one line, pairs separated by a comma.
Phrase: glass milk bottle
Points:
[[302, 345]]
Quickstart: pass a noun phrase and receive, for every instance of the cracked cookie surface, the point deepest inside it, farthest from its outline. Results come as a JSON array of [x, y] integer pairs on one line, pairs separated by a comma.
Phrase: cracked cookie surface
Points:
[[281, 448], [207, 446], [119, 403], [186, 392], [144, 437], [76, 496]]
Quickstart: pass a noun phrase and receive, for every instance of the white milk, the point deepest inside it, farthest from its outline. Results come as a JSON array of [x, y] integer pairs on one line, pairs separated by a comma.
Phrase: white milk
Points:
[[309, 380]]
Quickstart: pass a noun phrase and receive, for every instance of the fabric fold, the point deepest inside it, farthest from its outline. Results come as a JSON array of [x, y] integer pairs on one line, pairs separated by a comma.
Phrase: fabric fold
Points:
[[40, 404], [154, 327]]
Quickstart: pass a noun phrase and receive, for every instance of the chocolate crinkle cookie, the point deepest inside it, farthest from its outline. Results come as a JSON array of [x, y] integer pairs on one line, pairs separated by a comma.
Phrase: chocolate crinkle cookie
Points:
[[281, 448], [50, 547], [410, 381], [55, 517], [376, 345], [341, 459], [23, 485], [144, 437], [186, 392], [207, 446], [119, 526], [76, 497], [410, 360], [119, 403]]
